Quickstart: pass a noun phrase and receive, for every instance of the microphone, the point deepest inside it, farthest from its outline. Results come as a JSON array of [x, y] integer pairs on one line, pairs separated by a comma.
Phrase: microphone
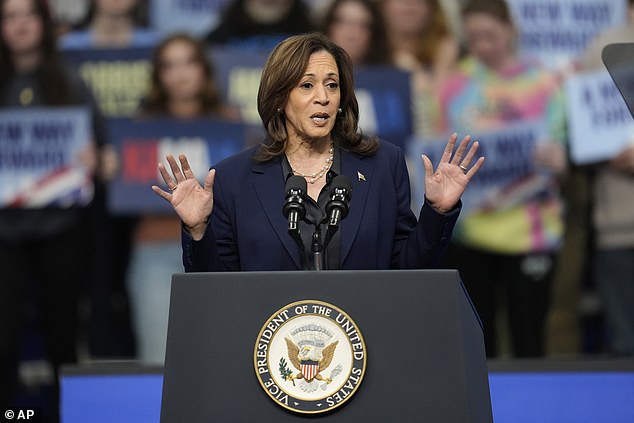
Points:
[[339, 203], [294, 209]]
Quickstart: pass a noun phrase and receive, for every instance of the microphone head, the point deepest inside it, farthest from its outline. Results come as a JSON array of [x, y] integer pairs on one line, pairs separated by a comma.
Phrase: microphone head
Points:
[[295, 190], [342, 181], [296, 183], [340, 194]]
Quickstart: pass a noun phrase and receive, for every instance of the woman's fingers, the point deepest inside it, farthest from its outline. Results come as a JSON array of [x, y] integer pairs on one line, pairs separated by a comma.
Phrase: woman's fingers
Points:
[[209, 180], [176, 170], [163, 194], [478, 164], [470, 155], [167, 178], [187, 171], [446, 155], [429, 167], [462, 147]]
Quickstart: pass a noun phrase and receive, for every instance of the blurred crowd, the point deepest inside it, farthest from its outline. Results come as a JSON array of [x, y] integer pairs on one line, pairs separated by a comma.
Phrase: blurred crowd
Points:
[[549, 274]]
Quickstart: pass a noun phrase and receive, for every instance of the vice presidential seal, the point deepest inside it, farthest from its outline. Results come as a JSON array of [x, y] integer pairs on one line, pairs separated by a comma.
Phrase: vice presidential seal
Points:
[[310, 357]]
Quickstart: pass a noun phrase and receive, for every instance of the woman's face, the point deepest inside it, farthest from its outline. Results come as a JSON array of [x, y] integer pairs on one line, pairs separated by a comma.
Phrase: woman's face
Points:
[[406, 16], [115, 7], [21, 26], [311, 110], [267, 11], [181, 75], [489, 39], [351, 29]]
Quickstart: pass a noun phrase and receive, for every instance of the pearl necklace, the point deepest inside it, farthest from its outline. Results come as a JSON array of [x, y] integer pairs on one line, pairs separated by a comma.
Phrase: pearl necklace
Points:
[[314, 177]]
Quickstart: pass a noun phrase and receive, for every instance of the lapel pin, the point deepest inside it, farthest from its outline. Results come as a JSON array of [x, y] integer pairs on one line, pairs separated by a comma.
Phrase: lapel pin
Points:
[[361, 176]]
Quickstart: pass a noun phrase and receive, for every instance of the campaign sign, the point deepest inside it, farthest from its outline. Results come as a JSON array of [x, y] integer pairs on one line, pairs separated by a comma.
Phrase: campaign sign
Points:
[[196, 17], [385, 105], [599, 122], [238, 77], [142, 144], [557, 31], [43, 152], [118, 78], [383, 93], [509, 176]]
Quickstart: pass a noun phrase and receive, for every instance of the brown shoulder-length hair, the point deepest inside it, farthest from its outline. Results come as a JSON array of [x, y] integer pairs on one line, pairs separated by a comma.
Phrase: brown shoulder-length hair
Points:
[[51, 73], [437, 30], [379, 51], [157, 99], [138, 14], [495, 8], [282, 72]]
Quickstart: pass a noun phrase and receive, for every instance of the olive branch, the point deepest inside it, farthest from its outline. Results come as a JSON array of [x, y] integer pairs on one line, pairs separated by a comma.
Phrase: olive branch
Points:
[[285, 371]]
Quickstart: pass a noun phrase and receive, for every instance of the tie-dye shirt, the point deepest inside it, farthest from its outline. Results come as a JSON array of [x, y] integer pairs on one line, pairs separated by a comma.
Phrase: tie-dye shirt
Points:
[[476, 100]]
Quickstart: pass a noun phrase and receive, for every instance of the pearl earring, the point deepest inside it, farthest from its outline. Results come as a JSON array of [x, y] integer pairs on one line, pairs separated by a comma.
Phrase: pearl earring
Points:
[[339, 110]]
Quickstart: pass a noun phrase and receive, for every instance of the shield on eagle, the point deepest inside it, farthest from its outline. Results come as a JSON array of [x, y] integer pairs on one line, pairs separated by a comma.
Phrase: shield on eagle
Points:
[[309, 369]]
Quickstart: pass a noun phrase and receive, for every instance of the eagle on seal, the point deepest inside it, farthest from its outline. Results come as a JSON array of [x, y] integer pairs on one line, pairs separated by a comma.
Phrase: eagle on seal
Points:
[[310, 361]]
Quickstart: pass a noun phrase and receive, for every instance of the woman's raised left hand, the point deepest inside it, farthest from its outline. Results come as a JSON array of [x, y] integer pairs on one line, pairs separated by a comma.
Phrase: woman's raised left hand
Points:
[[445, 185]]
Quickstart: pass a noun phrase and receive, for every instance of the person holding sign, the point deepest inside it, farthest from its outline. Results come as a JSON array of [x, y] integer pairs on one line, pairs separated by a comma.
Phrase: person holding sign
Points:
[[512, 244], [613, 214], [183, 88], [306, 100], [118, 82], [42, 230]]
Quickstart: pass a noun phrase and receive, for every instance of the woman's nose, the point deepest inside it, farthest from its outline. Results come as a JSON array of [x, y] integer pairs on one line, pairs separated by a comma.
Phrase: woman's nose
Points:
[[322, 94]]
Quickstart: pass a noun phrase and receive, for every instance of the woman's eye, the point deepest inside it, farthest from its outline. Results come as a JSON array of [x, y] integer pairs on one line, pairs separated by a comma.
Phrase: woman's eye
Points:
[[306, 85], [332, 85]]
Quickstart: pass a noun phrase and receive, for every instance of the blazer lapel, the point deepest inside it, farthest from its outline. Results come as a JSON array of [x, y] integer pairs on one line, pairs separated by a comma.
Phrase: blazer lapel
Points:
[[359, 170], [268, 182]]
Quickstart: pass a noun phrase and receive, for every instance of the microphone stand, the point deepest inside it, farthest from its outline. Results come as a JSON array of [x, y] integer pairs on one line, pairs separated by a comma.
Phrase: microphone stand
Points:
[[330, 232], [300, 245], [317, 248], [336, 209]]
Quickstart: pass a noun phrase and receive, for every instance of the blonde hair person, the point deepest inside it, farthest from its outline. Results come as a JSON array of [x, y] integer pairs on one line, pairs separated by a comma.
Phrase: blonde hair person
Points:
[[421, 42]]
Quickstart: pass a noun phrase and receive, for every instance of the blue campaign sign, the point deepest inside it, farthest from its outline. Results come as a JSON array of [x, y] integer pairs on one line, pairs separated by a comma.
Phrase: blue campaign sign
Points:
[[118, 78], [557, 31], [509, 176], [238, 77], [45, 157], [141, 144], [194, 16], [383, 93], [385, 106]]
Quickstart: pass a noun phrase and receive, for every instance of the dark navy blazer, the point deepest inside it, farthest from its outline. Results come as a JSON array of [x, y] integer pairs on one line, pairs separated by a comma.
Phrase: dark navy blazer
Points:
[[248, 231]]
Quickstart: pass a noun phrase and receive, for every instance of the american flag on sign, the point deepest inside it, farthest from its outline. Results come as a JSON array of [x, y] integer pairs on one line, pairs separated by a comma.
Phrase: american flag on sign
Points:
[[309, 369], [63, 187]]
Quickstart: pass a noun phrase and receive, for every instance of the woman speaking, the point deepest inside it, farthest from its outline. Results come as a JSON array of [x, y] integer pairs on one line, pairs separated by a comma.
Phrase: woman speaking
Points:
[[306, 100]]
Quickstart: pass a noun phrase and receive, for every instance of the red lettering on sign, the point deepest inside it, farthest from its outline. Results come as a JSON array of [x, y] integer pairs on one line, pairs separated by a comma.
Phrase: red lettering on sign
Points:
[[139, 161]]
